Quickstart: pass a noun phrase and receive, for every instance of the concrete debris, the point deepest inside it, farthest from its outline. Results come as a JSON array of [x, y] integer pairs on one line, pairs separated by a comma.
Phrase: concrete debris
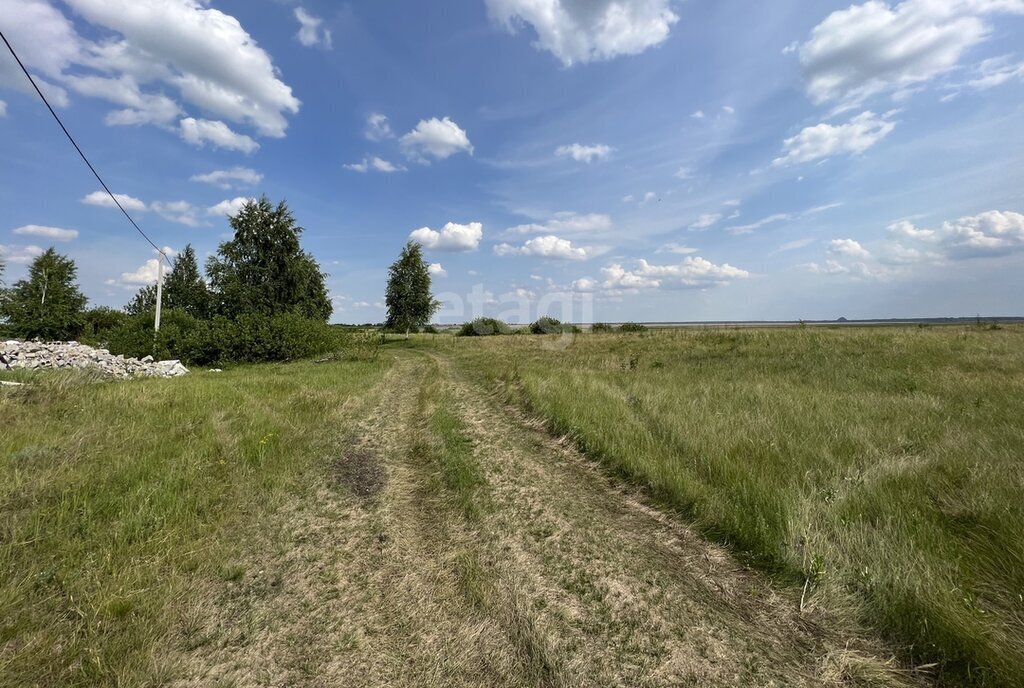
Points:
[[19, 355]]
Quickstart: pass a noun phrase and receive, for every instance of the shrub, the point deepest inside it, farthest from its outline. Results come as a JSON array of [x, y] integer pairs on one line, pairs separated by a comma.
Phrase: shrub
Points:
[[98, 323], [600, 327], [548, 325], [484, 327], [249, 338], [632, 327], [430, 329]]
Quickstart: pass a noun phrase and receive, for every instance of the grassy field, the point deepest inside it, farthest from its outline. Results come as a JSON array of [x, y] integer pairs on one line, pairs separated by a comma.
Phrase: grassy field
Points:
[[121, 502], [409, 521], [879, 470]]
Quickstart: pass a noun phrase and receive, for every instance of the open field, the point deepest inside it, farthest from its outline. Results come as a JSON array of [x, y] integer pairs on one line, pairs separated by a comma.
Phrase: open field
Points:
[[776, 507], [881, 469]]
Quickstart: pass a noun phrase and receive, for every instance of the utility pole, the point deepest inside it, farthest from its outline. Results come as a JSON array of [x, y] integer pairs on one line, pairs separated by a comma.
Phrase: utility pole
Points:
[[159, 290]]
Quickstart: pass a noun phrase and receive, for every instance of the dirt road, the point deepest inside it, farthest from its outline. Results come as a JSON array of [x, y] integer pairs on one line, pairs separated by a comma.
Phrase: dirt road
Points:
[[450, 542]]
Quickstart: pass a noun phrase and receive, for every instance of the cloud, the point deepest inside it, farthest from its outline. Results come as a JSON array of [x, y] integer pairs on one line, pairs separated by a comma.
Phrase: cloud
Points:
[[872, 48], [20, 254], [992, 233], [204, 53], [581, 32], [139, 107], [146, 274], [728, 109], [683, 173], [199, 132], [45, 40], [648, 197], [996, 71], [822, 141], [548, 247], [692, 272], [228, 208], [677, 248], [51, 233], [438, 138], [452, 237], [794, 245], [830, 267], [101, 199], [310, 32], [436, 270], [567, 223], [181, 212], [848, 247], [376, 164], [232, 178], [3, 109], [378, 128], [699, 114], [582, 153], [705, 221], [781, 217], [150, 57]]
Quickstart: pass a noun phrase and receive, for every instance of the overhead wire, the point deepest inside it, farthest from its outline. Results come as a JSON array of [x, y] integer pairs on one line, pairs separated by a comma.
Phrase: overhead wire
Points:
[[160, 251]]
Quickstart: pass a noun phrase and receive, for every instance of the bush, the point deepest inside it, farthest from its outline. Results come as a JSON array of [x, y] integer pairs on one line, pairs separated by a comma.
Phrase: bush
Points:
[[430, 329], [484, 327], [98, 323], [547, 325], [250, 338], [632, 327], [600, 327]]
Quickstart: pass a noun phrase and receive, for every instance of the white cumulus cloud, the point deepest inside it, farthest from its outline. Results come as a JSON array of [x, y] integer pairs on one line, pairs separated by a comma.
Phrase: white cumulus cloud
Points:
[[51, 233], [199, 132], [875, 48], [436, 270], [20, 254], [453, 237], [101, 199], [848, 247], [584, 153], [151, 58], [547, 247], [576, 31], [692, 272], [823, 141], [992, 233], [437, 138], [228, 207]]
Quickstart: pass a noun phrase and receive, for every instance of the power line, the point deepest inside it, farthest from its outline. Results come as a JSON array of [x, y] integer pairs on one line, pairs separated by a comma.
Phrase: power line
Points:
[[77, 148]]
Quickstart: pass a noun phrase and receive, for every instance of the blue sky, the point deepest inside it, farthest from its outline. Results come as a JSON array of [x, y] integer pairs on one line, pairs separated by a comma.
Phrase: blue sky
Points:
[[598, 159]]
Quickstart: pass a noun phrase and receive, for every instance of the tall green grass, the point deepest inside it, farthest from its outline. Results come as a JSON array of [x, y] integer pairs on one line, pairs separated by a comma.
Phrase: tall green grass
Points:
[[119, 501], [883, 469]]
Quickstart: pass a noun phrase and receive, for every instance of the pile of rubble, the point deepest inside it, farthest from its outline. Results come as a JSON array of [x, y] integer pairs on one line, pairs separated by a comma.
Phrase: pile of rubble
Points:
[[19, 355]]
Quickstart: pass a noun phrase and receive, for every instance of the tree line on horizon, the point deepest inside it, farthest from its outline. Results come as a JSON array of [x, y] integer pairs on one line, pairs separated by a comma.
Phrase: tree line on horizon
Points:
[[262, 297]]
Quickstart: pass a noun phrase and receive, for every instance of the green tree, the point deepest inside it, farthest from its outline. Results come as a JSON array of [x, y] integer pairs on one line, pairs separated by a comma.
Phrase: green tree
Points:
[[144, 301], [184, 287], [409, 301], [47, 305], [264, 270]]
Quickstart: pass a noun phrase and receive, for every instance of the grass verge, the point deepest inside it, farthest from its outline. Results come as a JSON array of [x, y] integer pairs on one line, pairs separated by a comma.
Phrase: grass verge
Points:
[[119, 499]]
